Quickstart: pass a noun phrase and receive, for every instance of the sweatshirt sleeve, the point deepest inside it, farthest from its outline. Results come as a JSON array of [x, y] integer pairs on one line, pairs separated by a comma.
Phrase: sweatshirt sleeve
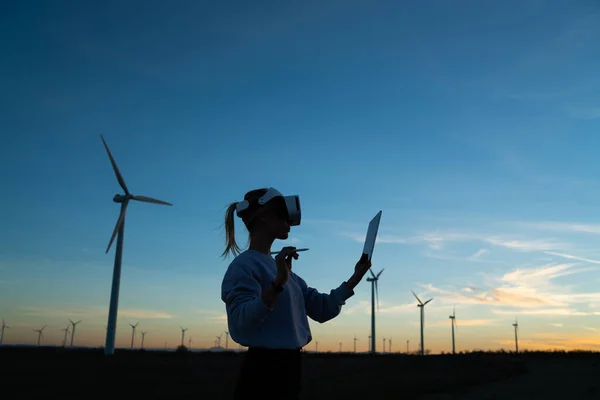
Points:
[[323, 307], [241, 292]]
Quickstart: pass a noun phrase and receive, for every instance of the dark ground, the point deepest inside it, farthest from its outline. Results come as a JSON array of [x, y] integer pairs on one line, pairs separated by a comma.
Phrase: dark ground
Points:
[[80, 373]]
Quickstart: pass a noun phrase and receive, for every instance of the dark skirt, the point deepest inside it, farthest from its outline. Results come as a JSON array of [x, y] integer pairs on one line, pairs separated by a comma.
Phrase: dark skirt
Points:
[[270, 374]]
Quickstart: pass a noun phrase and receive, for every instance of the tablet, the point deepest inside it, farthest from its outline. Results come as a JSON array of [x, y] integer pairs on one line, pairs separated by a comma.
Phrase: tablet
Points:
[[372, 235]]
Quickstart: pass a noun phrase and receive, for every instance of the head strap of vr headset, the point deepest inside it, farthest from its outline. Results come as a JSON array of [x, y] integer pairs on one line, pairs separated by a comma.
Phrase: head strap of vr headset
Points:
[[262, 200]]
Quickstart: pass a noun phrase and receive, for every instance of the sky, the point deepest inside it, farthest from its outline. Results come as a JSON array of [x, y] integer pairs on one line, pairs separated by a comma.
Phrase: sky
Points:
[[473, 126]]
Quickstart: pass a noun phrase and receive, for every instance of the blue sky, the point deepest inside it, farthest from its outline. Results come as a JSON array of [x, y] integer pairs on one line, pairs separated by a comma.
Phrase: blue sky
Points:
[[472, 125]]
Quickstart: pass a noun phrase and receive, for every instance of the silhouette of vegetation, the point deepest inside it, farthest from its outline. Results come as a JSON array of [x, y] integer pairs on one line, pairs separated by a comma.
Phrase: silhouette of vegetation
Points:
[[206, 374]]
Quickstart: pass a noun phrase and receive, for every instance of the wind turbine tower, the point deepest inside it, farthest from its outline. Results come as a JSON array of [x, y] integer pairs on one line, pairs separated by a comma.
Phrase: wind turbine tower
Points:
[[355, 339], [383, 345], [66, 331], [133, 332], [389, 345], [369, 342], [119, 232], [226, 340], [182, 334], [516, 325], [143, 337], [422, 305], [40, 334], [316, 347], [374, 279], [4, 326], [407, 349], [74, 324], [453, 322]]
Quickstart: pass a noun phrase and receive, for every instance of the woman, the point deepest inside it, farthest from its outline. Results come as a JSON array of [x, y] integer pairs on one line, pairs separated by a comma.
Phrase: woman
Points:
[[267, 304]]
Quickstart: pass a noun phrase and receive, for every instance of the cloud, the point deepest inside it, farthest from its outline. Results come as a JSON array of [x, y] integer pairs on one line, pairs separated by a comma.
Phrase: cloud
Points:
[[467, 322], [92, 312], [530, 291], [143, 314], [572, 257], [557, 325], [562, 226], [478, 254]]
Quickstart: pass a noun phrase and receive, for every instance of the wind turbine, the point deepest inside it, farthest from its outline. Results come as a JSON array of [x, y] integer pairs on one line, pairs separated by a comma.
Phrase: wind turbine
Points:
[[133, 332], [73, 331], [516, 325], [369, 342], [340, 347], [219, 340], [119, 231], [316, 347], [453, 322], [374, 293], [4, 326], [190, 343], [143, 337], [226, 340], [389, 345], [422, 305], [182, 334], [40, 333], [355, 339], [407, 349], [383, 345], [66, 331]]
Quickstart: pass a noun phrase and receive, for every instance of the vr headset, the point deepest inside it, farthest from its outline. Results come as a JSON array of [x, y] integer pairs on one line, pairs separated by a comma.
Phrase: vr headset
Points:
[[289, 207]]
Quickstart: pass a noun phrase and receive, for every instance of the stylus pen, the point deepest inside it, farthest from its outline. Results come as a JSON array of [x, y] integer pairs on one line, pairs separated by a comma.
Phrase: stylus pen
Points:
[[297, 250]]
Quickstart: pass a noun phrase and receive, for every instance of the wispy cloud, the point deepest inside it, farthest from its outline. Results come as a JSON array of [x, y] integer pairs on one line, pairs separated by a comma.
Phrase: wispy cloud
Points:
[[530, 291], [92, 312], [478, 254], [562, 226], [467, 322]]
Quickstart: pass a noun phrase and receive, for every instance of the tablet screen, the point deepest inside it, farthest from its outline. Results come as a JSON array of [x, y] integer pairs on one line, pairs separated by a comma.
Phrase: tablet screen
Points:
[[372, 235]]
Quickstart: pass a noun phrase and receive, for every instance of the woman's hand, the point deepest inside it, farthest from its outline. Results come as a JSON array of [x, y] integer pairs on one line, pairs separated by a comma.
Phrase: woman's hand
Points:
[[284, 264], [361, 268]]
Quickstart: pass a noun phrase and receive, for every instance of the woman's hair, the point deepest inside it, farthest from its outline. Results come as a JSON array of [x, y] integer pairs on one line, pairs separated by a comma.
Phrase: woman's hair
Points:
[[231, 245]]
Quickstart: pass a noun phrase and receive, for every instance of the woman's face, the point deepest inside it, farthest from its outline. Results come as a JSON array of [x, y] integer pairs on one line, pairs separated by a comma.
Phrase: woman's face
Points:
[[276, 224]]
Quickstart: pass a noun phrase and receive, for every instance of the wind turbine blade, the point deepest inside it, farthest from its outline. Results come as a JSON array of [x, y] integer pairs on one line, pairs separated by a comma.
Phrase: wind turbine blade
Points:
[[428, 301], [379, 274], [417, 297], [117, 226], [114, 165], [145, 199], [372, 274]]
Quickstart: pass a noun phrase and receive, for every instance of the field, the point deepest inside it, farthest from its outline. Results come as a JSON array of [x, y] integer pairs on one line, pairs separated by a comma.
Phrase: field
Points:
[[205, 375]]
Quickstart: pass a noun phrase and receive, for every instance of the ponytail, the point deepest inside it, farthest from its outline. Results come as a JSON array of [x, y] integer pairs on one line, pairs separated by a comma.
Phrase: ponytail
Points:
[[230, 244]]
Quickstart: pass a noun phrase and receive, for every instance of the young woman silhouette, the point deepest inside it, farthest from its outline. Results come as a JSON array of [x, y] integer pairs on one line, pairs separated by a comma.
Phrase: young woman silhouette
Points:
[[267, 304]]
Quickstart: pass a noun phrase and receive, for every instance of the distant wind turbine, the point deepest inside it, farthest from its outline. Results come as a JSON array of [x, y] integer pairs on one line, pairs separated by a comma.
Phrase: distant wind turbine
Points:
[[4, 326], [66, 331], [374, 293], [119, 231], [383, 345], [219, 340], [133, 332], [340, 347], [40, 334], [183, 334], [369, 343], [407, 346], [143, 337], [422, 305], [516, 325], [74, 324], [226, 340], [389, 345], [453, 322], [355, 339], [190, 343]]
